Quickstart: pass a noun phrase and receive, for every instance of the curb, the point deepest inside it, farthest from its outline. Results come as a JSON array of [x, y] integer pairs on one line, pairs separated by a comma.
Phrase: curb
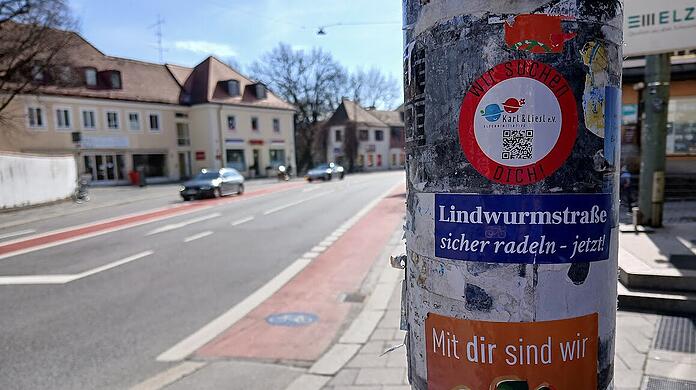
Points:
[[359, 331]]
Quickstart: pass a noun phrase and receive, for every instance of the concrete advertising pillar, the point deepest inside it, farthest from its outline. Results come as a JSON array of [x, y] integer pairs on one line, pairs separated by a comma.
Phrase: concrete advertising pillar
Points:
[[512, 138]]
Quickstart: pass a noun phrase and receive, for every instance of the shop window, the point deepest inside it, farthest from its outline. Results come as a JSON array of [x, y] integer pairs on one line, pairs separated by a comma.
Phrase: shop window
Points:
[[681, 129], [154, 165], [277, 157], [235, 159]]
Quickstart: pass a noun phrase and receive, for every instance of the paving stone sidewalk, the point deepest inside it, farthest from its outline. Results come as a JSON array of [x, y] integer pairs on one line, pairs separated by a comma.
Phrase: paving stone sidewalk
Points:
[[636, 359]]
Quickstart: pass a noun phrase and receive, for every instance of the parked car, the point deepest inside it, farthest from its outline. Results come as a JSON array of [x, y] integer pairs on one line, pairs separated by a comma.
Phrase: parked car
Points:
[[325, 172], [208, 184]]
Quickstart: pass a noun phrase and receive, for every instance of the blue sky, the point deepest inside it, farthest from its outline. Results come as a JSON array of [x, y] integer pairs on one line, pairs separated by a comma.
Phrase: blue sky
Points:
[[245, 29]]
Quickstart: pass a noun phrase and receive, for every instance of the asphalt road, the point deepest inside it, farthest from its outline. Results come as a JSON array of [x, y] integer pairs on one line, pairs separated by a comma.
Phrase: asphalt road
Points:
[[105, 330]]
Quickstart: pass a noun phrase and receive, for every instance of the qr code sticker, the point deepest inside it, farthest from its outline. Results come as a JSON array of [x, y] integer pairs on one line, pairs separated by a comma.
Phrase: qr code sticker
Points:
[[517, 144]]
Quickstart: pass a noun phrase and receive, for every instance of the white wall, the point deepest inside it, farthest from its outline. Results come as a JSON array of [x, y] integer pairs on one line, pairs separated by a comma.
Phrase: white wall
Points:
[[29, 179]]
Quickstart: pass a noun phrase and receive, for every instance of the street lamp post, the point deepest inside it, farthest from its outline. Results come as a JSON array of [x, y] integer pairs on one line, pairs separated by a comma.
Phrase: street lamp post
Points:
[[512, 136]]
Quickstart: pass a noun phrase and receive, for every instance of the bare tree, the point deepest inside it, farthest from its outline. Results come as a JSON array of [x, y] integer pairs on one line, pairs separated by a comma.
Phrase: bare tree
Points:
[[31, 45], [372, 88], [310, 80]]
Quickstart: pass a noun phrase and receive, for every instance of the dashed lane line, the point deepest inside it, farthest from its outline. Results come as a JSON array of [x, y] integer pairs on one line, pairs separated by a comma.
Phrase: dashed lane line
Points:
[[285, 206], [241, 221], [181, 224], [198, 236]]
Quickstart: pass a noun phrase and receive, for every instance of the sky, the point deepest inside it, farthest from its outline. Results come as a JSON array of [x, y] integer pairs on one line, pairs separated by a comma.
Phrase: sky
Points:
[[242, 30]]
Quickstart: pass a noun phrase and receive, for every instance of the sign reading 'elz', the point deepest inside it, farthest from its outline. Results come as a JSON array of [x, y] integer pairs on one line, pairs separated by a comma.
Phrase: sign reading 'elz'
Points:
[[525, 229]]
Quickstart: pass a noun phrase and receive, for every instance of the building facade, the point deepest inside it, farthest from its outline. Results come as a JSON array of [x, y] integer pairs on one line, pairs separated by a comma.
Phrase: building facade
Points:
[[119, 115], [377, 137]]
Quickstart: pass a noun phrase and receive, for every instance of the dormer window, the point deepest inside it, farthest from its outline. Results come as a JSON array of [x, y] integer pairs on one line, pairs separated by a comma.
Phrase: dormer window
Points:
[[233, 87], [90, 77], [260, 91], [115, 79], [37, 73]]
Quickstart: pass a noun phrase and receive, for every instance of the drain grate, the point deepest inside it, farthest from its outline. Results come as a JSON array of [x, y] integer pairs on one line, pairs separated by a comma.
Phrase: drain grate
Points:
[[354, 297], [676, 334], [669, 384]]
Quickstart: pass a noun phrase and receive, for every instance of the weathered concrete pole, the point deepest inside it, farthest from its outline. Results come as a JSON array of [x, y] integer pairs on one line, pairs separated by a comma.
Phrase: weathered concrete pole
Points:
[[653, 139], [512, 117]]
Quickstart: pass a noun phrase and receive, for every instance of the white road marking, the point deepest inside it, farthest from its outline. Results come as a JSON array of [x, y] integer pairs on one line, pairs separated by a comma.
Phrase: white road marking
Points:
[[181, 224], [283, 207], [17, 233], [94, 234], [197, 236], [63, 279], [241, 221], [208, 332], [312, 188], [201, 337]]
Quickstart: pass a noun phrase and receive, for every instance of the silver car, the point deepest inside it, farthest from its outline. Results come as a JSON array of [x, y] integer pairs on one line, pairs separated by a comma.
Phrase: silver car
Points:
[[208, 184], [325, 172]]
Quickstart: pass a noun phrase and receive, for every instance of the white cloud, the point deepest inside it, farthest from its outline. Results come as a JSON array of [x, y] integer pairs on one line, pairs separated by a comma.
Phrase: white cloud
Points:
[[205, 47]]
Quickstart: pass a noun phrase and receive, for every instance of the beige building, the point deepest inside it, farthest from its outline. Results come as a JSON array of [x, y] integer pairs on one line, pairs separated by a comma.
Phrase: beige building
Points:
[[169, 120]]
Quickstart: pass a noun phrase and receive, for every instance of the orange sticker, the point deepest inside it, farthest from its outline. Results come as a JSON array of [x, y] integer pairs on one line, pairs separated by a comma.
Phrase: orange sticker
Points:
[[480, 355], [537, 33]]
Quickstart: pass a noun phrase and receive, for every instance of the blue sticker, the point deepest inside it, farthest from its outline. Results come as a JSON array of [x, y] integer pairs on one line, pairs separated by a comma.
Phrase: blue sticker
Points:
[[294, 319], [525, 229]]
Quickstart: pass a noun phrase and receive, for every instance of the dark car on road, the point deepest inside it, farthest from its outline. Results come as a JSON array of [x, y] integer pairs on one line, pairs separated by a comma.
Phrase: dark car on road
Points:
[[209, 184], [325, 172]]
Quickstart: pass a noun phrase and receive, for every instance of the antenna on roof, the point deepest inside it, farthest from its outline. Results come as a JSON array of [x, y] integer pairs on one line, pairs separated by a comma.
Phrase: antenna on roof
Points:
[[158, 34]]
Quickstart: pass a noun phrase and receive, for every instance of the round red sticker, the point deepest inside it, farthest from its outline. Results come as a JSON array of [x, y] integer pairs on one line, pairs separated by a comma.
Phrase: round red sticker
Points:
[[518, 122]]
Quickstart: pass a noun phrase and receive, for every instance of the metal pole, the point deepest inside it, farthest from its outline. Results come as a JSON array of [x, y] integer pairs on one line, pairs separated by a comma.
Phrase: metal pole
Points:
[[512, 134], [653, 139]]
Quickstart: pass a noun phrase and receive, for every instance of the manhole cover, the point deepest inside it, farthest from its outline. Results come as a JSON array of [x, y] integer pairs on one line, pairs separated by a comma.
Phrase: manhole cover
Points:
[[292, 319], [676, 334], [669, 384]]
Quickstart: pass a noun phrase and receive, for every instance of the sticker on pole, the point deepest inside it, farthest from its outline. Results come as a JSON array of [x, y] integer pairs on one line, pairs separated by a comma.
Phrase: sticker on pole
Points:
[[524, 229], [482, 355], [518, 122]]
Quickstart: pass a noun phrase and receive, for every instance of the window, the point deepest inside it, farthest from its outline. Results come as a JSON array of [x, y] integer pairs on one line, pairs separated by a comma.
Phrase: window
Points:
[[115, 80], [91, 77], [235, 159], [364, 135], [35, 117], [393, 159], [338, 136], [89, 120], [361, 160], [37, 73], [276, 125], [112, 120], [154, 122], [277, 157], [233, 87], [254, 123], [379, 135], [133, 121], [63, 118], [231, 122], [370, 160], [182, 134]]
